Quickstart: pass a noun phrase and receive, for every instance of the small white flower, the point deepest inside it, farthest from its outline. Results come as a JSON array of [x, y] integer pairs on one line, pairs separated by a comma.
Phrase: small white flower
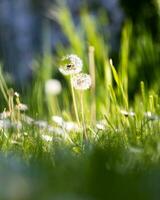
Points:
[[71, 64], [5, 115], [41, 124], [58, 120], [5, 123], [101, 125], [47, 138], [151, 116], [27, 119], [81, 81], [22, 107], [71, 127], [17, 125], [53, 87], [58, 131]]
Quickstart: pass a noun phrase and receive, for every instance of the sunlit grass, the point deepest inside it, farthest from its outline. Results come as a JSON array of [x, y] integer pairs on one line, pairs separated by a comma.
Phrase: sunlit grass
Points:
[[71, 141]]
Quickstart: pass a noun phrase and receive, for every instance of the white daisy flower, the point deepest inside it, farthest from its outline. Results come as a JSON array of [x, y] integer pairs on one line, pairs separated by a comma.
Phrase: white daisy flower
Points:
[[81, 81], [53, 87], [71, 64]]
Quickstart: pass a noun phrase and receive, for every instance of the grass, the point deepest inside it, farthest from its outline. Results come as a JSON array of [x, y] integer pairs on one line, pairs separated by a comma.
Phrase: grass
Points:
[[46, 158]]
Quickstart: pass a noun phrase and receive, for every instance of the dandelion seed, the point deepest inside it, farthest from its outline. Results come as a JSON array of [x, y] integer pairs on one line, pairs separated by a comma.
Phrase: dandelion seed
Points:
[[81, 81], [58, 120], [71, 64], [53, 87]]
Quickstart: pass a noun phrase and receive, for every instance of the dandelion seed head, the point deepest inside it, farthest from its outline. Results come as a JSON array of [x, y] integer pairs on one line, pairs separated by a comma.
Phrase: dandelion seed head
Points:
[[53, 87], [81, 81], [71, 64]]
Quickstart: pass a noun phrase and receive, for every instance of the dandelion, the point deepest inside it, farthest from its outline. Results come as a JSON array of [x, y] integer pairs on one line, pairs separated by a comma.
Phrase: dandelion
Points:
[[53, 87], [81, 81], [71, 64]]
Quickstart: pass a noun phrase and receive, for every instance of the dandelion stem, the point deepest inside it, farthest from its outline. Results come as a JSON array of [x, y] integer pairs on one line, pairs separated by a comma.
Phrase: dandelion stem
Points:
[[74, 103], [93, 88], [83, 119]]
